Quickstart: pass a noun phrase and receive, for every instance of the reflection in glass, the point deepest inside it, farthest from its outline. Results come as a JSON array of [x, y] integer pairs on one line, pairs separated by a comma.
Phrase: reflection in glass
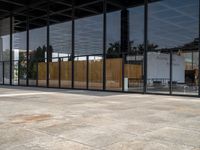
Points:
[[37, 57]]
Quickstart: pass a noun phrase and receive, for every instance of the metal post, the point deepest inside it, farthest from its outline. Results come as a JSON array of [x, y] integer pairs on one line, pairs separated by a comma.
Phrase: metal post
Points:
[[104, 42], [48, 11], [145, 44], [199, 54], [87, 72], [171, 69], [3, 72], [36, 74], [27, 50], [72, 53], [123, 66], [11, 39], [59, 75], [19, 68]]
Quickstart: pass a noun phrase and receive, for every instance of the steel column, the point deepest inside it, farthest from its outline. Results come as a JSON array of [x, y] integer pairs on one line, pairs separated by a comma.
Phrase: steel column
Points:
[[104, 42], [48, 11], [145, 44], [27, 49], [11, 39], [3, 67], [171, 69], [73, 48], [199, 54]]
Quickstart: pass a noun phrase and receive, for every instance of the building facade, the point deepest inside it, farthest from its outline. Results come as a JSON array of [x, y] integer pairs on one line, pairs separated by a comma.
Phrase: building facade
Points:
[[138, 46]]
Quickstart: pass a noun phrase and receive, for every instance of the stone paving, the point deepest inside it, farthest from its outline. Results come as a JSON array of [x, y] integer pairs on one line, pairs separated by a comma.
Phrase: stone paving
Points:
[[58, 119]]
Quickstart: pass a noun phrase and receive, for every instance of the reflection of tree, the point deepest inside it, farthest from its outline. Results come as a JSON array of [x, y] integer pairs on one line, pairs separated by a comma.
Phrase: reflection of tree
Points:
[[38, 56], [6, 55], [114, 49], [22, 65]]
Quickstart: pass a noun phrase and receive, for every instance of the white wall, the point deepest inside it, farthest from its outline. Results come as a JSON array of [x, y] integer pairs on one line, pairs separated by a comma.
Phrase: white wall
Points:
[[158, 65]]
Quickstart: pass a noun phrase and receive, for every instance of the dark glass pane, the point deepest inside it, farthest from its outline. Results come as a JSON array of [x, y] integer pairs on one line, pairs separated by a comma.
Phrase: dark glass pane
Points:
[[173, 26], [133, 70], [113, 52]]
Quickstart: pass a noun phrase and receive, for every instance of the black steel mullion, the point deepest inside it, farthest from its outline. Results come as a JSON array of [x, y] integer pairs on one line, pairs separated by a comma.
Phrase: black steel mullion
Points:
[[171, 73], [123, 69], [47, 50], [27, 50], [199, 54], [3, 67], [145, 44], [59, 71], [104, 42], [19, 71], [73, 48], [87, 72], [11, 39], [36, 74]]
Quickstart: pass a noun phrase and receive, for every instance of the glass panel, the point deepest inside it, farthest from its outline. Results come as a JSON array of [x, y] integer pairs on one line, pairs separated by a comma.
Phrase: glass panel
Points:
[[80, 72], [1, 72], [95, 73], [66, 74], [37, 56], [88, 42], [89, 35], [133, 69], [5, 47], [42, 73], [173, 26], [18, 45], [32, 73], [113, 52], [22, 72], [60, 36], [6, 72], [5, 39], [54, 73], [15, 73]]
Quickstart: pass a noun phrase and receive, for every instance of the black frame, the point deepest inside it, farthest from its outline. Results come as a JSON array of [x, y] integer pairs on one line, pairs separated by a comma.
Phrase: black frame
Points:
[[73, 17]]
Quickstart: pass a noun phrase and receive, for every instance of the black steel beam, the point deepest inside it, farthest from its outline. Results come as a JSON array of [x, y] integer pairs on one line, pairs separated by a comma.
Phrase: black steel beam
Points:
[[199, 53], [3, 68], [171, 73], [48, 44], [27, 50], [145, 44], [11, 39], [73, 46], [104, 42]]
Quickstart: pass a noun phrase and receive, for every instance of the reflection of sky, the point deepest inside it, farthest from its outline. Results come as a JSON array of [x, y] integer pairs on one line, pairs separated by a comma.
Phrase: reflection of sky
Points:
[[171, 23]]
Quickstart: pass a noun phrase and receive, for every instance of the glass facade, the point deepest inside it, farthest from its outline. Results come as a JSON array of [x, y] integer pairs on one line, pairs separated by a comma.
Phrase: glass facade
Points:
[[142, 46]]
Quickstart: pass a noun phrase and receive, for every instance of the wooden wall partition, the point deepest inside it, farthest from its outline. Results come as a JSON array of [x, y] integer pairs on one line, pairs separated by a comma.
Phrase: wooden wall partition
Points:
[[114, 73], [95, 76], [80, 73], [42, 73], [53, 74], [66, 74]]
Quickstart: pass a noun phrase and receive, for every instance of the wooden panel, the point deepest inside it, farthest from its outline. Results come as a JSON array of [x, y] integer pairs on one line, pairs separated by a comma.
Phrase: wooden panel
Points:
[[66, 74], [42, 71], [133, 71], [95, 74], [114, 73], [53, 74], [80, 68]]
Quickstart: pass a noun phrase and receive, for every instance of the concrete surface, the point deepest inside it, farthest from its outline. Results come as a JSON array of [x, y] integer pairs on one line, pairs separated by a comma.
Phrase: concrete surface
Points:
[[55, 119]]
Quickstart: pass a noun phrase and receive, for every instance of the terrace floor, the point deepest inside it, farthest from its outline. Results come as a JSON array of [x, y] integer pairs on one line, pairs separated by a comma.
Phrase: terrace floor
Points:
[[58, 119]]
